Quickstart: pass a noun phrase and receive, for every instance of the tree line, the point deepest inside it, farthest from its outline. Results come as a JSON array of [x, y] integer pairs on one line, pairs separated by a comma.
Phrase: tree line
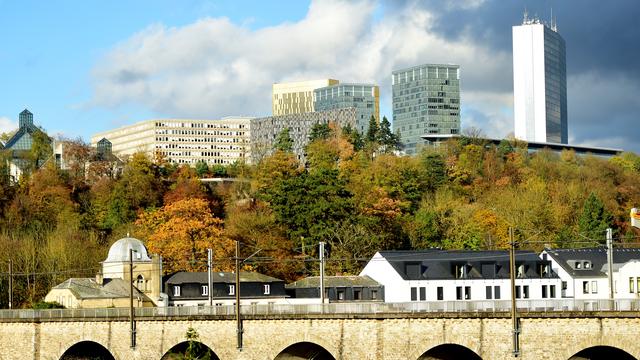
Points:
[[355, 192]]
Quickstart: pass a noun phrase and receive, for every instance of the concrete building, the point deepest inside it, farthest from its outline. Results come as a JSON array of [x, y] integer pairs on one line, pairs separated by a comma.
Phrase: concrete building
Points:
[[184, 141], [110, 287], [365, 98], [264, 131], [436, 275], [539, 82], [584, 272], [426, 100], [296, 97]]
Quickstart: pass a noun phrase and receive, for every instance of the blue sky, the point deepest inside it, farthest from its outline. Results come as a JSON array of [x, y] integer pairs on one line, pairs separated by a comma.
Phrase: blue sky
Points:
[[87, 66]]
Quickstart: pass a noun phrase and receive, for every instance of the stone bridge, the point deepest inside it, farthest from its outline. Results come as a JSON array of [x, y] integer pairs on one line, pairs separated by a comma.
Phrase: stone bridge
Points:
[[421, 336]]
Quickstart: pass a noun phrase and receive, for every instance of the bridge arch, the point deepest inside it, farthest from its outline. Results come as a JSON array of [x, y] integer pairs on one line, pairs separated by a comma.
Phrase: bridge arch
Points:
[[86, 350], [602, 352], [196, 349], [304, 350], [449, 352]]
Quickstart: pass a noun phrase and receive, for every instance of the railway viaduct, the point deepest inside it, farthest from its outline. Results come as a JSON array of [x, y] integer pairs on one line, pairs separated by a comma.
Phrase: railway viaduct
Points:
[[422, 336]]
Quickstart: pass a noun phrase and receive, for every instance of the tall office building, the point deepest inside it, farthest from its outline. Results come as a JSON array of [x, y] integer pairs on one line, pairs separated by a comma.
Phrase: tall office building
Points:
[[183, 141], [539, 82], [296, 97], [426, 100], [365, 98]]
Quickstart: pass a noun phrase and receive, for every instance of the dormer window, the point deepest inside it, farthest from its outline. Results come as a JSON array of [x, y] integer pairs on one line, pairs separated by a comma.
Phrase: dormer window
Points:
[[578, 265], [461, 271], [521, 271], [587, 265]]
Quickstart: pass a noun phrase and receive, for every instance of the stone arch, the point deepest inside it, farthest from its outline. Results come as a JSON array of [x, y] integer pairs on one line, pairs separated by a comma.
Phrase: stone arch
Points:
[[86, 350], [449, 352], [178, 350], [304, 350], [602, 352]]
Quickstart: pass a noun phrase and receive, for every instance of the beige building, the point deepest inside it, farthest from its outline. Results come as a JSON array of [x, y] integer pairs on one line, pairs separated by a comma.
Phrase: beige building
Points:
[[184, 141], [296, 97], [111, 286]]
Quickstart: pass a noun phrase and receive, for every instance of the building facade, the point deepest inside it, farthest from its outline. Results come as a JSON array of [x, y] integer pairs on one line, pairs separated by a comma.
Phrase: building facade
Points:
[[365, 98], [192, 289], [426, 100], [584, 272], [539, 83], [436, 275], [264, 131], [296, 97], [183, 141], [338, 289]]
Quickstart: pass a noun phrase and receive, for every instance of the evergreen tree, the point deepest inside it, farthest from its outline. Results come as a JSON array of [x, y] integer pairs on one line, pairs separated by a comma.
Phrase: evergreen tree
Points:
[[373, 134], [319, 131], [595, 219], [284, 141], [202, 168], [386, 136], [353, 136]]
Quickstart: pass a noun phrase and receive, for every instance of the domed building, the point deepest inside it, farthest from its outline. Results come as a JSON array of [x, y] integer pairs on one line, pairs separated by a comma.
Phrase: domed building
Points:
[[110, 287]]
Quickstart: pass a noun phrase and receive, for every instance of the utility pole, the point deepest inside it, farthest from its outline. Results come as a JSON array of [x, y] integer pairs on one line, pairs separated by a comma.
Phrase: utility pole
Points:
[[238, 315], [610, 265], [210, 276], [10, 284], [512, 275], [131, 312], [322, 273]]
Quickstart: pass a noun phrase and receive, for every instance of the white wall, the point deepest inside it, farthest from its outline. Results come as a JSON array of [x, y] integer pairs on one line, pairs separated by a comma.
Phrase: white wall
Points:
[[379, 269]]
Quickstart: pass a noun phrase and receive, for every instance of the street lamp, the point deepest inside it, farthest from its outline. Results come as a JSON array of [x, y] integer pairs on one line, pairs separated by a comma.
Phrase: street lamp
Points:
[[131, 312]]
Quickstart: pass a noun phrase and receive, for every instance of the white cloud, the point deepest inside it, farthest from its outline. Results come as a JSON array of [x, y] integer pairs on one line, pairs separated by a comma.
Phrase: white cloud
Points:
[[7, 125], [215, 68]]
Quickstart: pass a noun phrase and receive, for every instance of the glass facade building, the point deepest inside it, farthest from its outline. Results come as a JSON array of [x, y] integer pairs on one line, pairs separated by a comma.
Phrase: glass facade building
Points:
[[296, 97], [539, 83], [365, 98], [426, 100]]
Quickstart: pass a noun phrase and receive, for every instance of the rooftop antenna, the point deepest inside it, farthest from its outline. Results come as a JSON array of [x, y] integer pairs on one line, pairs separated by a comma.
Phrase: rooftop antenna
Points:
[[525, 18]]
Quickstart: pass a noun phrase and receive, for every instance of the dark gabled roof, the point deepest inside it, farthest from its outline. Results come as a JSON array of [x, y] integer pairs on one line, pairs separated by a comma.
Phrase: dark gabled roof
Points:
[[440, 264], [333, 281], [183, 277], [596, 257]]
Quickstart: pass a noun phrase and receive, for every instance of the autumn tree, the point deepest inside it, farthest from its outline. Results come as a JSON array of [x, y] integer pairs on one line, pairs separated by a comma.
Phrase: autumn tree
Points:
[[182, 232]]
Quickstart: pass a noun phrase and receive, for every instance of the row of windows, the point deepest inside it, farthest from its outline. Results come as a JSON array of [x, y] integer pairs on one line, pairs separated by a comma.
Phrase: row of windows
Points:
[[201, 125], [491, 292], [204, 290]]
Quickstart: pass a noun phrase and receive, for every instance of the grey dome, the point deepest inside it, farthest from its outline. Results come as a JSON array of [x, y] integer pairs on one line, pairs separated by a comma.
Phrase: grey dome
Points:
[[119, 251]]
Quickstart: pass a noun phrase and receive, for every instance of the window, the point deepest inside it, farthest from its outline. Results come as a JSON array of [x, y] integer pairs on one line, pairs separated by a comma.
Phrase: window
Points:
[[552, 291], [267, 289], [232, 289], [374, 294], [176, 290], [489, 293], [461, 271], [458, 292], [423, 294], [525, 291], [578, 265], [496, 292], [631, 285], [341, 294], [585, 287], [564, 285], [140, 283], [544, 291], [594, 287], [521, 271], [518, 292], [357, 294], [638, 283], [440, 293], [414, 294], [204, 290], [467, 292]]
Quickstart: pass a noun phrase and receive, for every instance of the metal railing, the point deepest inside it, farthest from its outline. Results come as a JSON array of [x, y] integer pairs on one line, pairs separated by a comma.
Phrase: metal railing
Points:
[[552, 305]]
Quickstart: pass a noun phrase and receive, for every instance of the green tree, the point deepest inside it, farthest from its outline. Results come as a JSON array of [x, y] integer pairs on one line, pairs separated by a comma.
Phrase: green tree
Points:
[[202, 169], [373, 133], [388, 139], [353, 136], [284, 141], [595, 219], [319, 132]]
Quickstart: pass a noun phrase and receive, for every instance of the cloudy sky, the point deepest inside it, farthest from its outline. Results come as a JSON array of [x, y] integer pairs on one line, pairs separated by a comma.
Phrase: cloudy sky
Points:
[[83, 67]]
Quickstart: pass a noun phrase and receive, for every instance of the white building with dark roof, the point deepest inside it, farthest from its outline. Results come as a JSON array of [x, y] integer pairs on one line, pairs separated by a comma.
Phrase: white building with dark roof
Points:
[[438, 275], [584, 272]]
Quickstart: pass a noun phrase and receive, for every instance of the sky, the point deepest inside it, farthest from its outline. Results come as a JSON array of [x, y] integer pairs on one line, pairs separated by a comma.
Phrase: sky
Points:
[[88, 66]]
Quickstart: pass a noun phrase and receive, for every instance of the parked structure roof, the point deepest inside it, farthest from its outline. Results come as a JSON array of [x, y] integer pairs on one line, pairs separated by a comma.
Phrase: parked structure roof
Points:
[[333, 281], [591, 262]]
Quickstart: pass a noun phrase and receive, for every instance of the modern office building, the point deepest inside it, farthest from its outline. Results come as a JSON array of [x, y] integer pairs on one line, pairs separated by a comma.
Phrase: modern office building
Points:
[[184, 141], [365, 98], [539, 82], [264, 131], [426, 100], [296, 97]]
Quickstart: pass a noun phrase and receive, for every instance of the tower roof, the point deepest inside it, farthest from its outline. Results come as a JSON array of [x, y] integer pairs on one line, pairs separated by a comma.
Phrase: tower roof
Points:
[[119, 251]]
